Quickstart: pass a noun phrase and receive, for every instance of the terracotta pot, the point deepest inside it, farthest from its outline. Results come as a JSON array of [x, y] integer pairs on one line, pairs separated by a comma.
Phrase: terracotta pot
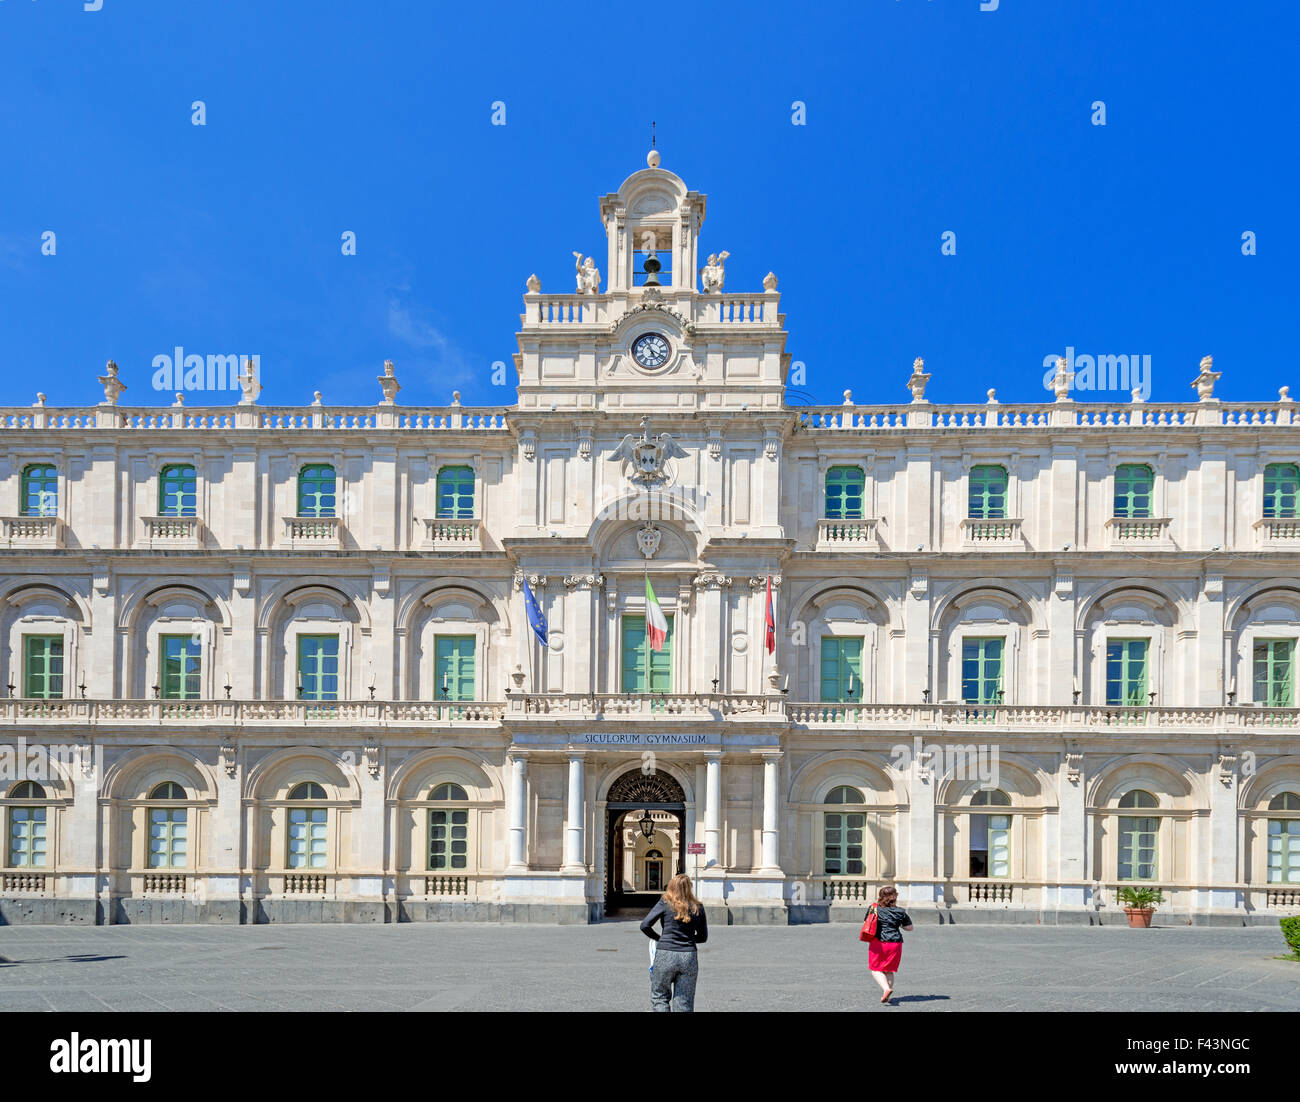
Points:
[[1139, 918]]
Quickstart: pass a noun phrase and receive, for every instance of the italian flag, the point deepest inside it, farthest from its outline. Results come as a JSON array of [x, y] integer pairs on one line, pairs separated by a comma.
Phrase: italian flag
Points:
[[656, 627]]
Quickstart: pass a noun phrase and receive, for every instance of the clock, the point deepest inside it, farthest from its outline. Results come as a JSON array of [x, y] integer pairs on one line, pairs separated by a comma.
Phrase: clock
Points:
[[650, 350]]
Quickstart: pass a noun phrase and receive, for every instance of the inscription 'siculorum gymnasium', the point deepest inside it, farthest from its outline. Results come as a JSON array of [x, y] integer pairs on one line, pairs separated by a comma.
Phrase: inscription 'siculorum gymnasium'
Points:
[[289, 651]]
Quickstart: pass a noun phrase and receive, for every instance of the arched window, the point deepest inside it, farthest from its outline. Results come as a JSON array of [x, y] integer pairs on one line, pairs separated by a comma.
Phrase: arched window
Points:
[[168, 829], [990, 836], [1138, 835], [988, 492], [1284, 840], [844, 492], [844, 834], [1134, 486], [177, 491], [456, 493], [1281, 487], [27, 836], [317, 486], [40, 491], [448, 829], [308, 828]]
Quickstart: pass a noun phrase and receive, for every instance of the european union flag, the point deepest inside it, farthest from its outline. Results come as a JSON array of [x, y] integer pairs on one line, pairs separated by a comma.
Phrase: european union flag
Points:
[[536, 617]]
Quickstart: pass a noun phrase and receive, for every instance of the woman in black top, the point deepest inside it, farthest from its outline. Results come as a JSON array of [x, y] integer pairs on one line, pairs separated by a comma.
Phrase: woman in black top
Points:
[[885, 951], [676, 965]]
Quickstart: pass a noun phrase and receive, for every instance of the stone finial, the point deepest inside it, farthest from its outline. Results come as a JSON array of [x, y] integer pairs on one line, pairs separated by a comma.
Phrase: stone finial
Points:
[[316, 399], [388, 383], [113, 386], [534, 284], [455, 397], [1283, 394], [1062, 381], [40, 399], [1204, 382], [848, 397], [180, 399], [249, 384], [916, 384], [769, 281], [652, 158], [993, 397]]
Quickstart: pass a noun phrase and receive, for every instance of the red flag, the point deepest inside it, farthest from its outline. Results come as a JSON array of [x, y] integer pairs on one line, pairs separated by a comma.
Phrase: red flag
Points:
[[770, 641]]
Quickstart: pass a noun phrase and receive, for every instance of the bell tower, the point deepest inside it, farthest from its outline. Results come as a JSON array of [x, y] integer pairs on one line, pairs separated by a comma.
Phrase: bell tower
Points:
[[652, 216]]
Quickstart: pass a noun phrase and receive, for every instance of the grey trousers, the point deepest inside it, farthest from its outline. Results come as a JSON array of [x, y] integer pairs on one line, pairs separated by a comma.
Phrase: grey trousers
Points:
[[673, 977]]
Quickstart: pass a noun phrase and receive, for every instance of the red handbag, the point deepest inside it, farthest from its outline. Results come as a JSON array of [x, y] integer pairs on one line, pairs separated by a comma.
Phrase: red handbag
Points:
[[869, 925]]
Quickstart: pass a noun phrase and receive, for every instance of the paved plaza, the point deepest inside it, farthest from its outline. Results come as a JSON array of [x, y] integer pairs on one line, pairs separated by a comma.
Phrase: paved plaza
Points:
[[434, 966]]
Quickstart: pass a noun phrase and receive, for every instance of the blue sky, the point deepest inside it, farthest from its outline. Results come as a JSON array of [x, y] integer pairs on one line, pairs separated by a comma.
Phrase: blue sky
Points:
[[923, 116]]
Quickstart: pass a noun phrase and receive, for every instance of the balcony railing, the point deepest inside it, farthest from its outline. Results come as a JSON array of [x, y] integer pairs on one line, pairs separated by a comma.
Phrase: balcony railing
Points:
[[162, 532], [313, 532], [1278, 531], [651, 705], [1139, 531], [995, 532], [847, 535], [445, 534], [32, 531]]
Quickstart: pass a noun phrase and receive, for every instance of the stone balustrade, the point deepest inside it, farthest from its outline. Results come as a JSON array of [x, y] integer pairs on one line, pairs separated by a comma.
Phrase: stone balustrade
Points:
[[453, 535], [313, 532], [32, 531], [1082, 415], [997, 532], [172, 531], [1138, 531], [260, 418], [847, 535]]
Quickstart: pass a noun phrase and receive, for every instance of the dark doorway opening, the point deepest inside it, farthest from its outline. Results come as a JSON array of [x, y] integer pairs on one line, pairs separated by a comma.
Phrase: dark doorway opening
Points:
[[639, 801]]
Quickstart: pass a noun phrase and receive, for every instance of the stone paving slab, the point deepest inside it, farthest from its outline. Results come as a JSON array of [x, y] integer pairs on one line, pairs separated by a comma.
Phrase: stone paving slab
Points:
[[489, 966]]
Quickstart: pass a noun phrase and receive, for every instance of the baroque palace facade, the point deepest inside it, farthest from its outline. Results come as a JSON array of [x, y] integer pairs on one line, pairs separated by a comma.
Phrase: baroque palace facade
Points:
[[274, 664]]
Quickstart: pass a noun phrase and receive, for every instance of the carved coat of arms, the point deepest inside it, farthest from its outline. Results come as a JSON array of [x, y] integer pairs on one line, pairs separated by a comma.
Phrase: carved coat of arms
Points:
[[648, 455]]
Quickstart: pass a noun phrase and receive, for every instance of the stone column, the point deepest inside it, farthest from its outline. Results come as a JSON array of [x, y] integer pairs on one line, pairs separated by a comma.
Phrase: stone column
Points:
[[771, 812], [575, 848], [712, 809], [518, 812]]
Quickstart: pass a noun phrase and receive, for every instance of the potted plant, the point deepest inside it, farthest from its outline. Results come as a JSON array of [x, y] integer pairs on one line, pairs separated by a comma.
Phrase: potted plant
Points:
[[1139, 905]]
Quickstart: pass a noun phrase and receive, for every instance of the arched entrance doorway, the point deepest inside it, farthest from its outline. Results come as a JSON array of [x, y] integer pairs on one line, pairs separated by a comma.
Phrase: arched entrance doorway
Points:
[[645, 838]]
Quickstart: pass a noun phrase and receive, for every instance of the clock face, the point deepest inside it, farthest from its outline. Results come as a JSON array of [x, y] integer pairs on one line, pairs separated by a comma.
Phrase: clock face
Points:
[[650, 350]]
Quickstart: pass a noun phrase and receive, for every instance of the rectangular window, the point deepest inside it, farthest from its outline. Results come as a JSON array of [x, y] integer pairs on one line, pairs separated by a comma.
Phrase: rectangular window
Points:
[[1284, 851], [177, 491], [43, 666], [844, 492], [841, 669], [1281, 485], [988, 493], [990, 846], [456, 493], [318, 667], [1126, 673], [1137, 847], [448, 839], [40, 494], [317, 491], [27, 837], [1274, 680], [180, 667], [1134, 483], [844, 843], [307, 837], [167, 837], [981, 670], [453, 673], [646, 670]]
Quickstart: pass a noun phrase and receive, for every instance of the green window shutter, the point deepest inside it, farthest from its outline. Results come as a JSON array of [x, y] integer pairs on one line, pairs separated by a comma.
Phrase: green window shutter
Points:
[[1281, 486], [1137, 847], [988, 492], [1284, 851], [308, 837], [844, 493], [981, 670], [317, 489], [181, 656], [448, 839], [27, 837], [318, 667], [1126, 673], [40, 491], [167, 837], [43, 666], [841, 669], [453, 672], [1134, 486], [1274, 673], [456, 493], [842, 844], [177, 491], [645, 670]]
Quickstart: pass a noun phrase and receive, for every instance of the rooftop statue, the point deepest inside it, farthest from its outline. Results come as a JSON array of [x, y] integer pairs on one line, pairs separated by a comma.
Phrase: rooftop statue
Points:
[[713, 273], [588, 275]]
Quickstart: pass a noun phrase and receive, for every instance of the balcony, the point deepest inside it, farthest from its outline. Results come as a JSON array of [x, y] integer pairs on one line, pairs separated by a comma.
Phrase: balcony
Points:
[[1151, 533], [993, 533], [178, 532], [847, 535], [33, 531], [313, 533], [447, 534], [1277, 532]]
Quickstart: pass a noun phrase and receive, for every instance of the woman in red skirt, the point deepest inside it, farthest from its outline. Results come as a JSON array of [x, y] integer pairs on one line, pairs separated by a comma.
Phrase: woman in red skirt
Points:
[[885, 952]]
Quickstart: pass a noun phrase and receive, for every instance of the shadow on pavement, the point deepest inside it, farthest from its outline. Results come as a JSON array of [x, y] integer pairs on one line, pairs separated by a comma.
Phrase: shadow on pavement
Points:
[[77, 958]]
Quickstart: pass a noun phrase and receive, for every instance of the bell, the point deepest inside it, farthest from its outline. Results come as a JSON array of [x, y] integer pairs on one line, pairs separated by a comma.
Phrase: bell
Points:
[[652, 268]]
